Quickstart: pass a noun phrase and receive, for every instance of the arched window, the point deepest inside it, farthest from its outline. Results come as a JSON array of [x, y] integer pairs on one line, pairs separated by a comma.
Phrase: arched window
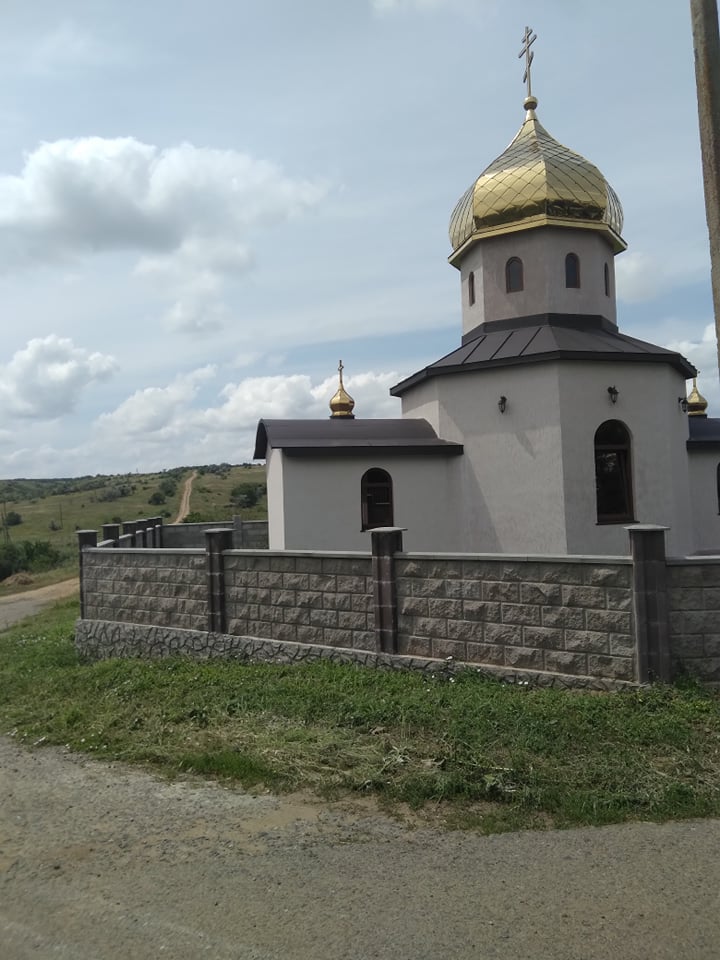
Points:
[[377, 499], [471, 288], [514, 275], [613, 473], [607, 280], [572, 271]]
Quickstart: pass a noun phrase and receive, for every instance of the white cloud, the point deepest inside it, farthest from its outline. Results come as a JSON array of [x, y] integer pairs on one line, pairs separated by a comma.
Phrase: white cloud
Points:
[[45, 379], [156, 410], [643, 276], [163, 425], [383, 7], [187, 212]]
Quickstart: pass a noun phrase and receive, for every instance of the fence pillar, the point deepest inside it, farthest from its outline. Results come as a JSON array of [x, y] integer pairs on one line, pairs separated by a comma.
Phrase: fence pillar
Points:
[[386, 542], [650, 603], [86, 538], [130, 528], [216, 541], [111, 531], [157, 523]]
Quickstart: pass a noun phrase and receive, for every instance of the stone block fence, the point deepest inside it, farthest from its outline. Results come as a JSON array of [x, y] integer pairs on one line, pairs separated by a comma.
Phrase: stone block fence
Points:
[[599, 622]]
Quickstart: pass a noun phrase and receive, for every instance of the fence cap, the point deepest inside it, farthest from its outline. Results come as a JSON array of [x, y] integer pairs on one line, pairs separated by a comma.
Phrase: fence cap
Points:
[[645, 527]]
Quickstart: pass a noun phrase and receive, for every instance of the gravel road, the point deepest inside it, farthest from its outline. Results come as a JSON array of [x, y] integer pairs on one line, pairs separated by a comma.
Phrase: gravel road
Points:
[[20, 605], [100, 861]]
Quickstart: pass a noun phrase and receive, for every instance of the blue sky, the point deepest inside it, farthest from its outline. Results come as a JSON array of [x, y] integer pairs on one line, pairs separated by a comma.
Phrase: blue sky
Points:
[[203, 206]]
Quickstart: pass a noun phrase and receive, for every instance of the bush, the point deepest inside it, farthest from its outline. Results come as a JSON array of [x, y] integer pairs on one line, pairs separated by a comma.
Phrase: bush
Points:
[[13, 518], [31, 555], [157, 498]]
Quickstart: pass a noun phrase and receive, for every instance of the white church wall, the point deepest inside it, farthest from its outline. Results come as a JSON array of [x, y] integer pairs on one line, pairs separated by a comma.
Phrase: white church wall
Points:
[[703, 466], [276, 499], [647, 404], [323, 504], [510, 485], [543, 252]]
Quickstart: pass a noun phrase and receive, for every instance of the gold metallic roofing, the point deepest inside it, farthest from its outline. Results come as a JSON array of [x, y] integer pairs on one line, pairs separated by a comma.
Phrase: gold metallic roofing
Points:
[[342, 403], [697, 404], [536, 181]]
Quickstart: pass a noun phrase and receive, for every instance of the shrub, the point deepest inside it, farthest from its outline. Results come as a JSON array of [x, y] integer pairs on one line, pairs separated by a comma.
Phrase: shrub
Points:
[[157, 498], [13, 518]]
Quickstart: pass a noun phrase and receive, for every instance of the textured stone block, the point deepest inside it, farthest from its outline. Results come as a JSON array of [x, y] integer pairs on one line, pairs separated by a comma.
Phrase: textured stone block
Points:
[[413, 606], [540, 593], [485, 653], [323, 618], [711, 598], [361, 601], [684, 575], [411, 646], [497, 590], [257, 595], [479, 610], [688, 646], [520, 613], [296, 581], [619, 598], [309, 598], [543, 637], [324, 582], [309, 565], [465, 630], [563, 661], [701, 621], [617, 621], [549, 572], [428, 588], [621, 645], [711, 574], [350, 584], [352, 620], [618, 668], [337, 601], [617, 576], [296, 614], [269, 578], [524, 657], [439, 607], [430, 627], [284, 631], [282, 564], [686, 598], [574, 596], [309, 634], [569, 617], [338, 638], [448, 648], [586, 640], [502, 633]]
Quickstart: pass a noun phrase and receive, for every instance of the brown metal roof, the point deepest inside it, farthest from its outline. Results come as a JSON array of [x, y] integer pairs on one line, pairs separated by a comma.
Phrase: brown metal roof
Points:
[[541, 338], [351, 437]]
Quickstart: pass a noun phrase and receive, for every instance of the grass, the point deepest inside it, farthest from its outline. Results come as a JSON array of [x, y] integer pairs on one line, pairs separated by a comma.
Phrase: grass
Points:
[[472, 751], [57, 516]]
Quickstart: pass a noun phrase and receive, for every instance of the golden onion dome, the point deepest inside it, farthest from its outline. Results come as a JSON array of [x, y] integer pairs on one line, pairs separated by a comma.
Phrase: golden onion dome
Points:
[[536, 182], [696, 403], [342, 403]]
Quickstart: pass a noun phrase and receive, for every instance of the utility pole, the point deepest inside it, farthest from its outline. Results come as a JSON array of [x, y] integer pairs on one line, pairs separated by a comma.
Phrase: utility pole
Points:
[[706, 43]]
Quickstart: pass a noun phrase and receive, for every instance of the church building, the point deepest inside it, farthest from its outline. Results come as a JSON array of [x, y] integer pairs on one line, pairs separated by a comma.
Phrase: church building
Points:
[[548, 430]]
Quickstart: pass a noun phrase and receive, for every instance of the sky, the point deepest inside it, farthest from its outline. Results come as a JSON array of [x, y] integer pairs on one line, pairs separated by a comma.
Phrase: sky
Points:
[[204, 206]]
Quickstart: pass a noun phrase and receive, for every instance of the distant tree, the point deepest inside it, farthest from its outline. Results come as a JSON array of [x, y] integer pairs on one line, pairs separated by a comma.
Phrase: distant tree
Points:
[[13, 519], [157, 498]]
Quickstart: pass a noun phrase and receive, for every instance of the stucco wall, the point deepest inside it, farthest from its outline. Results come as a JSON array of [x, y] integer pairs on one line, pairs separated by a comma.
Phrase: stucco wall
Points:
[[647, 405], [275, 499], [703, 466], [543, 252], [322, 502], [563, 616], [509, 487], [153, 586]]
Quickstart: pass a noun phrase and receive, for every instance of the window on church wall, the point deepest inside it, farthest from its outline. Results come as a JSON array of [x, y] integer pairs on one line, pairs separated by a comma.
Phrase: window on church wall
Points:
[[613, 473], [572, 271], [514, 275], [607, 280], [471, 288], [376, 499]]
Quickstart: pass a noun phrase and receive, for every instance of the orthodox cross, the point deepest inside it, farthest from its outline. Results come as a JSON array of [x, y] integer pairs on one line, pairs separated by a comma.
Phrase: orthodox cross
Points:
[[529, 39], [341, 367]]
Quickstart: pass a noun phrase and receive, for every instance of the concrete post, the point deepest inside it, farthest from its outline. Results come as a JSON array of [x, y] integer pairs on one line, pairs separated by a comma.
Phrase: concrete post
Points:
[[386, 542], [141, 533], [216, 541], [86, 538], [157, 523], [130, 528], [650, 603], [111, 531]]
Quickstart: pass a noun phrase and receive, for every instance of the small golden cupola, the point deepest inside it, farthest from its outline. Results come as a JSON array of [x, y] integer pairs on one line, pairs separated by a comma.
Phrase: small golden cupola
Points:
[[535, 182], [342, 403], [696, 403]]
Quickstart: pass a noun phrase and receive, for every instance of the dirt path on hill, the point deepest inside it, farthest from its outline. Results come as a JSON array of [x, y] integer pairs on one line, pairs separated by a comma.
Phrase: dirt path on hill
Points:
[[184, 508], [99, 861], [21, 605]]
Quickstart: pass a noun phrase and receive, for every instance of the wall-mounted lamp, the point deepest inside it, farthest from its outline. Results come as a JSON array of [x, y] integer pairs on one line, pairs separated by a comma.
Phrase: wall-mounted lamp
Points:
[[613, 394], [502, 404], [683, 401]]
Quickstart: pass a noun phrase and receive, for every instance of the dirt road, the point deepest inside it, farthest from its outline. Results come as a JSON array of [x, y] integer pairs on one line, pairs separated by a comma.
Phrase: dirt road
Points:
[[20, 605], [184, 508], [103, 862]]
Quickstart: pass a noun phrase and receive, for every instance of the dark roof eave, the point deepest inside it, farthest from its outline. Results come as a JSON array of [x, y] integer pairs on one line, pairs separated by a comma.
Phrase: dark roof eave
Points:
[[443, 449], [677, 361]]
